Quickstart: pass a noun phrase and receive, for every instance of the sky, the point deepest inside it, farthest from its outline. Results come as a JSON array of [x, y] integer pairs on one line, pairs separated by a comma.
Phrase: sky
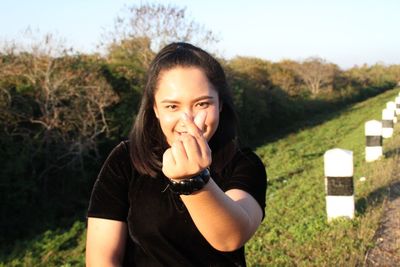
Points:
[[344, 32]]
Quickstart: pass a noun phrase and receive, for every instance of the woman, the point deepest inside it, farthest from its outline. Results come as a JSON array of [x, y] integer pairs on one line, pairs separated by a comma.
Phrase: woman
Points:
[[180, 192]]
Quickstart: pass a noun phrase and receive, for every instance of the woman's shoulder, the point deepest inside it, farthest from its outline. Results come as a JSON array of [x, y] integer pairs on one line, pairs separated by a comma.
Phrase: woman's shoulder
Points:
[[122, 147], [120, 151], [118, 160], [243, 160], [246, 154]]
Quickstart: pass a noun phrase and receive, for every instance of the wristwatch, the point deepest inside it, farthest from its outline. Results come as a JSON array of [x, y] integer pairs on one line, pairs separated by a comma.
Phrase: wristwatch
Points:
[[190, 185]]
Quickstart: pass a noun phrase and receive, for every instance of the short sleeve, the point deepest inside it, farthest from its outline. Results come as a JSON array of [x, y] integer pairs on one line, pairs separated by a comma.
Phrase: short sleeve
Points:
[[109, 198], [247, 172]]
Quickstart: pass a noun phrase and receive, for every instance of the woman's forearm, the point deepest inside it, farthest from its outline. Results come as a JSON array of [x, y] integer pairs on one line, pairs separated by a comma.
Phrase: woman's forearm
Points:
[[224, 222]]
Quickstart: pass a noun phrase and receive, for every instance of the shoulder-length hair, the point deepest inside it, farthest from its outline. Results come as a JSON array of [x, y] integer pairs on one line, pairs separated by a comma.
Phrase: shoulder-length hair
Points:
[[147, 141]]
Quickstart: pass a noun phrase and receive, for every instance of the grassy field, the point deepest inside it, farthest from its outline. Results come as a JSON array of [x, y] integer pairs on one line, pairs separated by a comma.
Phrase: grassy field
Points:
[[295, 231]]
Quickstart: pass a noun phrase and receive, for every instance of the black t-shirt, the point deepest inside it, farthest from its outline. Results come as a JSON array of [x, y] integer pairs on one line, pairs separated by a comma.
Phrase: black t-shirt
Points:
[[161, 231]]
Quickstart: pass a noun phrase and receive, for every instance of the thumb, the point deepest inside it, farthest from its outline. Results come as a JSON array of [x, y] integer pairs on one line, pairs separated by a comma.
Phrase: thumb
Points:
[[200, 119]]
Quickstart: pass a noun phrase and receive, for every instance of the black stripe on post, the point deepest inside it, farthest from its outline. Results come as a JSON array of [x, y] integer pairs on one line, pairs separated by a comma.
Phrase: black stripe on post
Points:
[[387, 123], [398, 106], [373, 140], [340, 186]]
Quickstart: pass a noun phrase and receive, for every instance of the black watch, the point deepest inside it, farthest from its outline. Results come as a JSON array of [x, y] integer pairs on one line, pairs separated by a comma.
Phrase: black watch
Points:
[[190, 185]]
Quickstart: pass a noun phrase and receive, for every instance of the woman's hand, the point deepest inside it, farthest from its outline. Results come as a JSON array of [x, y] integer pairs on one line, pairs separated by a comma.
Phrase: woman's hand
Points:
[[190, 154]]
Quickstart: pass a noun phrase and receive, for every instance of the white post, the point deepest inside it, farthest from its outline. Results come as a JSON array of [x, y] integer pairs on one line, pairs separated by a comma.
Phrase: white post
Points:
[[387, 123], [397, 101], [373, 133], [392, 106], [339, 186]]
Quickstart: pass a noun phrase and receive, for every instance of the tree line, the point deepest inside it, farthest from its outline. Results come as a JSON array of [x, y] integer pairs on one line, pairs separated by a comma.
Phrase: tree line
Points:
[[61, 111]]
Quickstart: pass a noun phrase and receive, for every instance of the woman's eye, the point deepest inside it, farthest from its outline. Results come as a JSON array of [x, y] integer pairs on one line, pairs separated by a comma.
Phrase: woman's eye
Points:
[[171, 107], [203, 104]]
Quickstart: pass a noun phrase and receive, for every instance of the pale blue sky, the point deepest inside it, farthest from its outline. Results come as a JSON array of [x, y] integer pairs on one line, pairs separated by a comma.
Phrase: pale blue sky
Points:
[[345, 32]]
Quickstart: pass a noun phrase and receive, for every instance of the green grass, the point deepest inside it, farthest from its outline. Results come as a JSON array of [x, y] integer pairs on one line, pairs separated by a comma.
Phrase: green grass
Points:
[[295, 231], [52, 248]]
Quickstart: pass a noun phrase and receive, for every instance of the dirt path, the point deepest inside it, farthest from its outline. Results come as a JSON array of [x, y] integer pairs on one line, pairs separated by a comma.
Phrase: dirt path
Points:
[[387, 238]]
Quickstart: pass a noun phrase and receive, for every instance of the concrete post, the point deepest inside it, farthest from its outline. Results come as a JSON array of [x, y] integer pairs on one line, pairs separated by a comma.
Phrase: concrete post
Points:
[[338, 164], [397, 101], [392, 106], [387, 123], [373, 134]]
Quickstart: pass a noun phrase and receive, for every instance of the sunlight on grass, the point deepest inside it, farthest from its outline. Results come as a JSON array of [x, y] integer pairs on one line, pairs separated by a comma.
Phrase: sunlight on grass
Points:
[[295, 230]]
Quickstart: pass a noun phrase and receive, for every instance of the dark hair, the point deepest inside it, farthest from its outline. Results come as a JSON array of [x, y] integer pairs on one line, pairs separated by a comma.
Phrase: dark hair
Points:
[[147, 141]]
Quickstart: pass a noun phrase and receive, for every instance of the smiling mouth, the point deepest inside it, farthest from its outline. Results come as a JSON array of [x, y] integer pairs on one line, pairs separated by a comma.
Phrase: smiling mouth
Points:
[[181, 133]]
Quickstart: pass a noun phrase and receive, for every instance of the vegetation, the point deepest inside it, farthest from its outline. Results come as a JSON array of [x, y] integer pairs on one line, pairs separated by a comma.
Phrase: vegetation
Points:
[[61, 112], [52, 248], [295, 231]]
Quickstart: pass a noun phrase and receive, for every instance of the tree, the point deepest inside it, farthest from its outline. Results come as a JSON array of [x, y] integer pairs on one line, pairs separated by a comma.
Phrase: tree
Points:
[[284, 77], [161, 25], [67, 95], [252, 69], [143, 29], [54, 105], [394, 70], [316, 73], [53, 112], [249, 79], [130, 57]]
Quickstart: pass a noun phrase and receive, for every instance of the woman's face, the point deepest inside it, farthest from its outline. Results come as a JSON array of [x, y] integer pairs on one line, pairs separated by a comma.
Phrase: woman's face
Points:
[[185, 90]]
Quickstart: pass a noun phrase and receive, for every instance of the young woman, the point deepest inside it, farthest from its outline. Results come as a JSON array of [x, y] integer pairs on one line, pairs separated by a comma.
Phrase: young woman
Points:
[[180, 192]]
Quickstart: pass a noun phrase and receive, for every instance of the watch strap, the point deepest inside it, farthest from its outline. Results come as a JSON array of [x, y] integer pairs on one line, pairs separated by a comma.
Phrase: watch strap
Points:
[[190, 185]]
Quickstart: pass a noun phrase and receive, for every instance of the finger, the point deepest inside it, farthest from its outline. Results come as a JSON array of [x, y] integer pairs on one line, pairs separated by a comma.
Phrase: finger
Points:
[[193, 130], [205, 152], [191, 127], [198, 152], [200, 119], [192, 148], [179, 153]]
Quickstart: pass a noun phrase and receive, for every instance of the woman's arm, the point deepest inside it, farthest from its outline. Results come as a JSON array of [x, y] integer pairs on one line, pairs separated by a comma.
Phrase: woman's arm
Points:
[[105, 242], [226, 220]]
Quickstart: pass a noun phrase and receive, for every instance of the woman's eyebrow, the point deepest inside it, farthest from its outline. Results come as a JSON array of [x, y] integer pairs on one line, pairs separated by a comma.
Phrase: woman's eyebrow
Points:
[[169, 101], [194, 100], [203, 98]]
